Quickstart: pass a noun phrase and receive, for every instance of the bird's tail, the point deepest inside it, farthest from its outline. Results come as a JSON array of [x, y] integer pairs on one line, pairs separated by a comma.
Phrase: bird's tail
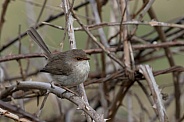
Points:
[[38, 39]]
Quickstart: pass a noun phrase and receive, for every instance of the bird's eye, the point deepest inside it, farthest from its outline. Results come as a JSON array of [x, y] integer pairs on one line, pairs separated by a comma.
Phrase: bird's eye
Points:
[[79, 58]]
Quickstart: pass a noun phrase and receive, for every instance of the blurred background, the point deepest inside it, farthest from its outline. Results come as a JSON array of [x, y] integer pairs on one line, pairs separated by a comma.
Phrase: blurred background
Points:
[[22, 14]]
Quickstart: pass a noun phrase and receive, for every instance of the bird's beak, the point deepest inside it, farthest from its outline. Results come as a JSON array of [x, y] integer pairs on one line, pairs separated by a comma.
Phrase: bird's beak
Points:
[[86, 58]]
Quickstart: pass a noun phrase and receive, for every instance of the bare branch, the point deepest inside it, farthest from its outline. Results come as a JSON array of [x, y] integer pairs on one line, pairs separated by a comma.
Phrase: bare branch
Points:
[[155, 91], [58, 92]]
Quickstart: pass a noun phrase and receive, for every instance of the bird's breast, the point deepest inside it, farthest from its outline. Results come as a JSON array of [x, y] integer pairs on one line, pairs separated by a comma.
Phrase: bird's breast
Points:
[[79, 74], [81, 70]]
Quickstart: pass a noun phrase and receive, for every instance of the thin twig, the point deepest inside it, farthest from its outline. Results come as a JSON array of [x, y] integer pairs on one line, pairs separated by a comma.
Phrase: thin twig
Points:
[[98, 43], [97, 50], [50, 19], [41, 12], [152, 23], [19, 61], [3, 13]]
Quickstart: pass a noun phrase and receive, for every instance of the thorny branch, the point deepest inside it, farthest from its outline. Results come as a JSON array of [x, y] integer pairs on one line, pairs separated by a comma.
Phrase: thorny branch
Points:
[[158, 104], [57, 91]]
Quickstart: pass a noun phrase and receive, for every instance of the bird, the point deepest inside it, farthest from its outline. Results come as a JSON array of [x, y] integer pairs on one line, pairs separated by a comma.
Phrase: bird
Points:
[[69, 68]]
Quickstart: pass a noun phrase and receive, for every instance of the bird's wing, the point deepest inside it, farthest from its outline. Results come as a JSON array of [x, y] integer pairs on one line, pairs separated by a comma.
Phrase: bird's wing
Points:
[[57, 66]]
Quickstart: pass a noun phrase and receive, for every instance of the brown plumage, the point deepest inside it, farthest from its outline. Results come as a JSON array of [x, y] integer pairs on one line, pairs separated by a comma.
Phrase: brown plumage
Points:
[[69, 68]]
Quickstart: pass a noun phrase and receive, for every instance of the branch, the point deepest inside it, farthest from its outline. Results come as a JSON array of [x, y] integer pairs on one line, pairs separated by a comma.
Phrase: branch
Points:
[[155, 91], [3, 12], [71, 38], [152, 23], [69, 23], [12, 116], [98, 43], [57, 91], [98, 50], [11, 111], [21, 56]]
